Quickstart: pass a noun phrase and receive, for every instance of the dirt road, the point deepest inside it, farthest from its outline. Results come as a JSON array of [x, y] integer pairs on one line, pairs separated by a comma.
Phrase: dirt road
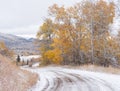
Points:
[[63, 79]]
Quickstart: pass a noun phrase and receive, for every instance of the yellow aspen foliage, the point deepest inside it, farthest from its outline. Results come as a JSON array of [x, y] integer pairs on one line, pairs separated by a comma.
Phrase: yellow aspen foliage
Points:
[[2, 46], [5, 51], [54, 56], [72, 34]]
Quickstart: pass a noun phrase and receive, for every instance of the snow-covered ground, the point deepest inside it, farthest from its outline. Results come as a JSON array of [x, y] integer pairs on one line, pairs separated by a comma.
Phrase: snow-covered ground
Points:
[[63, 79], [28, 58]]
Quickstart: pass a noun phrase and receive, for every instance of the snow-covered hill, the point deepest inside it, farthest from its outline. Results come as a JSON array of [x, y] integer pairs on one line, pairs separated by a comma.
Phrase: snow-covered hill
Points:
[[19, 44]]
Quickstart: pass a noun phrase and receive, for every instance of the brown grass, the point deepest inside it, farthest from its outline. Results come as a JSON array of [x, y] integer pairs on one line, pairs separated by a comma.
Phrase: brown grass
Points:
[[14, 79], [96, 68]]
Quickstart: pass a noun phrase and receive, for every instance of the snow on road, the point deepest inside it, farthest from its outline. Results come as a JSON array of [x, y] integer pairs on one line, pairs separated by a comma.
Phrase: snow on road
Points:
[[63, 79]]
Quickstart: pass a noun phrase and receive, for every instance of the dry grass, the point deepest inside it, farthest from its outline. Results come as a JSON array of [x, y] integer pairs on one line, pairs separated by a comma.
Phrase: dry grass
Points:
[[109, 69], [14, 79], [96, 68]]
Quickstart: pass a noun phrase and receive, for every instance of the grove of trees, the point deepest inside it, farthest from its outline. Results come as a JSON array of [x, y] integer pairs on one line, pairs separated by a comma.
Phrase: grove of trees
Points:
[[79, 34]]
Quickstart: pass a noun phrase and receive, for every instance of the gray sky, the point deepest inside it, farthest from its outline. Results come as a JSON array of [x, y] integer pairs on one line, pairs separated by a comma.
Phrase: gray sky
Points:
[[23, 17]]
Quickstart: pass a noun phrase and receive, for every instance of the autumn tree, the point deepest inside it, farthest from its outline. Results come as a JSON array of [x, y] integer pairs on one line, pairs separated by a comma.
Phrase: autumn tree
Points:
[[46, 34], [116, 46], [98, 16], [5, 51], [77, 34]]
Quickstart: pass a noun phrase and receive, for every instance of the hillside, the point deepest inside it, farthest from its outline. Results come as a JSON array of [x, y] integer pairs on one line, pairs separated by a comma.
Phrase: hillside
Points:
[[19, 44], [12, 78]]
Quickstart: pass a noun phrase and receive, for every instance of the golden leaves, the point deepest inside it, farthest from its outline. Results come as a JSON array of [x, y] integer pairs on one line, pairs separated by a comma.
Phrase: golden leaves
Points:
[[68, 31], [54, 56]]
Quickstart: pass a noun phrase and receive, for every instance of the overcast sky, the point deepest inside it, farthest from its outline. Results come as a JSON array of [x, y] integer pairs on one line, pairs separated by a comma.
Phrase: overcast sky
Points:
[[23, 17]]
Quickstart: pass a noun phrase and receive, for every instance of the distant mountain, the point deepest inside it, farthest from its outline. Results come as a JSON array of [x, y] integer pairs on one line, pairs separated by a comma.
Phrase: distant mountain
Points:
[[19, 45]]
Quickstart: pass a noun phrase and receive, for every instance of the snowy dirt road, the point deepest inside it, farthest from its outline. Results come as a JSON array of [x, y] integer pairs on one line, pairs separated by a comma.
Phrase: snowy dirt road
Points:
[[63, 79]]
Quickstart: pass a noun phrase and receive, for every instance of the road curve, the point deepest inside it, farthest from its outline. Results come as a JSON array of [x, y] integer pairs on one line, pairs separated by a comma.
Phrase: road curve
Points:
[[63, 79]]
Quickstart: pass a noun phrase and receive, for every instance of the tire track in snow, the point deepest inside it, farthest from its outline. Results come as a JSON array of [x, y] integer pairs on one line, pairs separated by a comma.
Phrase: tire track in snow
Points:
[[62, 79]]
